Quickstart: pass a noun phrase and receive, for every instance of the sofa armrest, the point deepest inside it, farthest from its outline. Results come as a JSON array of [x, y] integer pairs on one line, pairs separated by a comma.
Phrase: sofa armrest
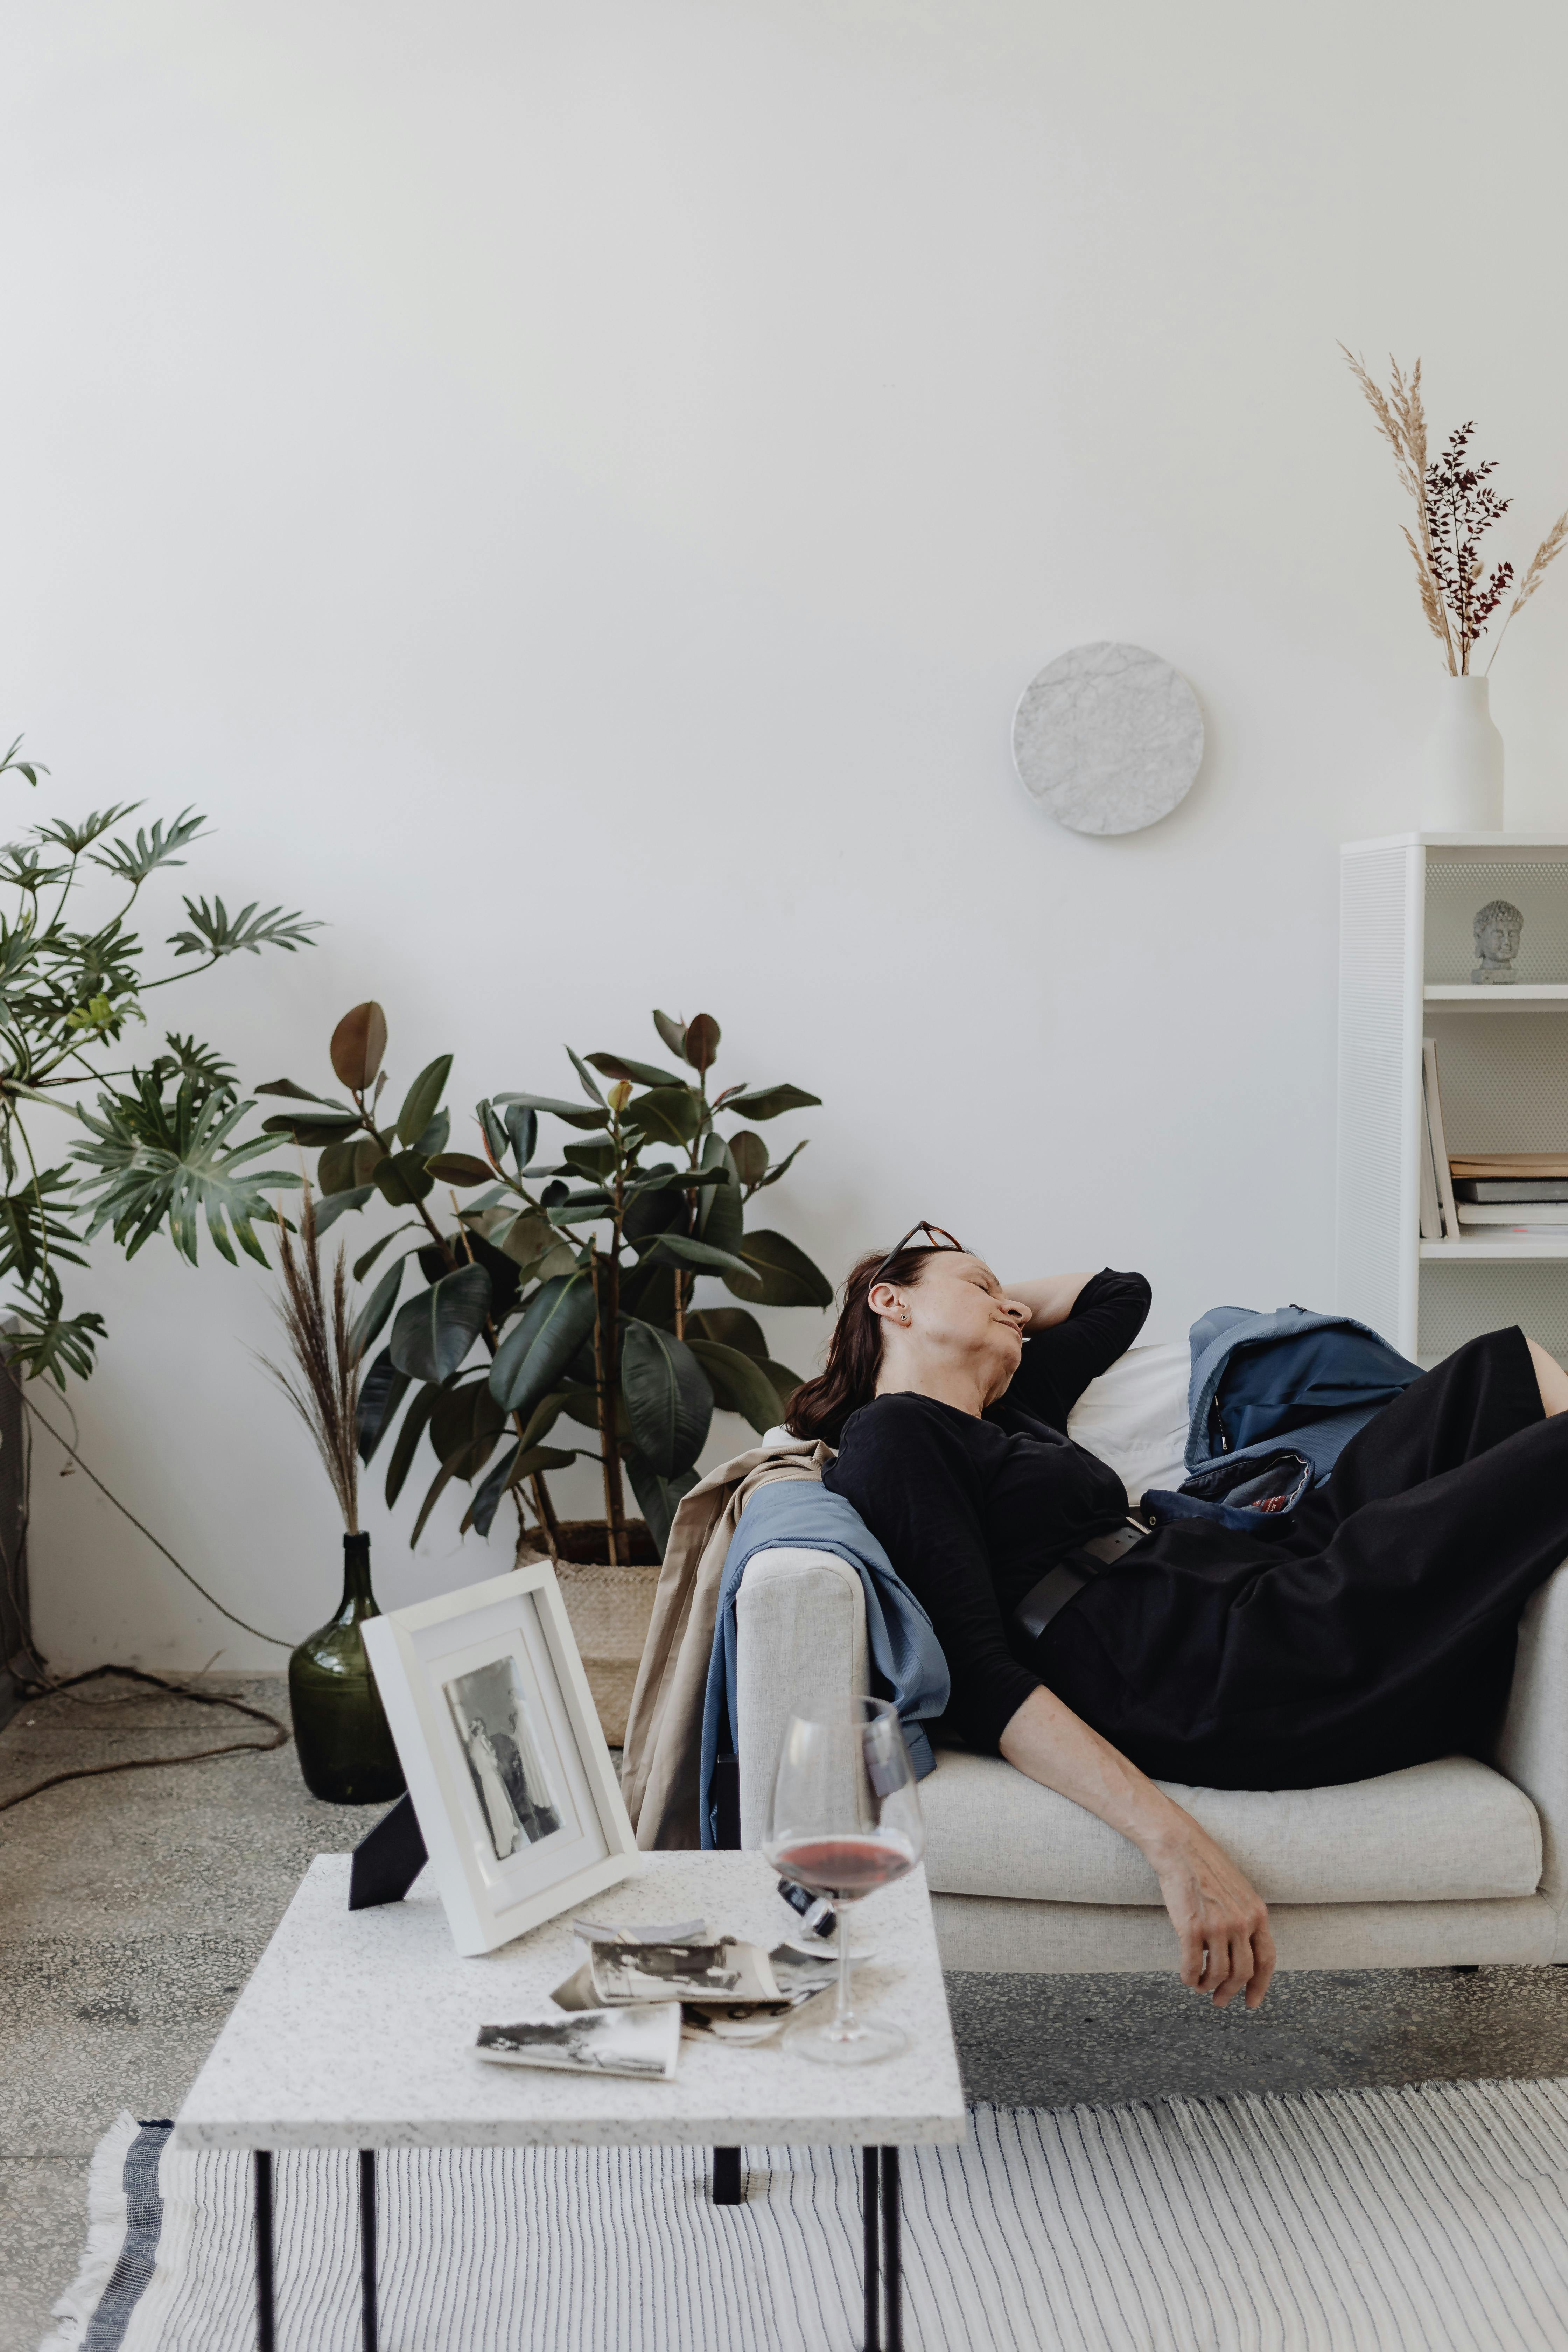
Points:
[[800, 1638], [1533, 1746]]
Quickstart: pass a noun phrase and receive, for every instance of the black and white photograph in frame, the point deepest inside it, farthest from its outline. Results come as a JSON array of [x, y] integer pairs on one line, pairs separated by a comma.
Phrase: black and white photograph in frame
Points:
[[498, 1737], [494, 1725]]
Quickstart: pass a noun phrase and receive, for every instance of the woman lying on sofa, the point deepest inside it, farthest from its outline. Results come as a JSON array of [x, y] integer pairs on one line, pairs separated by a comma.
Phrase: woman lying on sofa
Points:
[[1371, 1629]]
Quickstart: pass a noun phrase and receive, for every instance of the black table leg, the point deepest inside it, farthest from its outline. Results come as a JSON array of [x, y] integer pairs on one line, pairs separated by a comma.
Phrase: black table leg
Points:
[[367, 2248], [727, 2176], [266, 2321], [892, 2254], [870, 2204]]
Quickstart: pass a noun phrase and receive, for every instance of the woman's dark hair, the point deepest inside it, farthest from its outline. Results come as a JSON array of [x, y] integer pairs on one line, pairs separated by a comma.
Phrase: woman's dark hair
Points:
[[820, 1407]]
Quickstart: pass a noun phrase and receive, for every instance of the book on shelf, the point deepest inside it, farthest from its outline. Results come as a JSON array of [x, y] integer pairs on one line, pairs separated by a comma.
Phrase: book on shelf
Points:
[[1518, 1189], [1439, 1141], [1477, 1215], [1431, 1209], [1512, 1166]]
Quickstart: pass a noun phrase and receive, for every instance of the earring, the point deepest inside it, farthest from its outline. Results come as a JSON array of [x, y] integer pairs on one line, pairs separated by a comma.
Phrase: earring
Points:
[[906, 1319]]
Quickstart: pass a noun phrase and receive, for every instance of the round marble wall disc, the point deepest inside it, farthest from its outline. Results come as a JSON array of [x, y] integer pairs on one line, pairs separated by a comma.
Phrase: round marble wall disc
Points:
[[1108, 738]]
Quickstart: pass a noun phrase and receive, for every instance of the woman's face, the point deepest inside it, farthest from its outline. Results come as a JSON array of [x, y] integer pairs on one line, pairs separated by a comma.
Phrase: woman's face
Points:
[[959, 1312]]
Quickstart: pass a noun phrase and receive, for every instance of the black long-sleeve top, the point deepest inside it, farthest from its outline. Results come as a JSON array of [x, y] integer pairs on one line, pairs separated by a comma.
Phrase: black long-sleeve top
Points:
[[974, 1511]]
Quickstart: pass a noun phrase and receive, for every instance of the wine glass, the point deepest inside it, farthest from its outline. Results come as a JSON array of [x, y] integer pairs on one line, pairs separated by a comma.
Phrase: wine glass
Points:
[[846, 1820]]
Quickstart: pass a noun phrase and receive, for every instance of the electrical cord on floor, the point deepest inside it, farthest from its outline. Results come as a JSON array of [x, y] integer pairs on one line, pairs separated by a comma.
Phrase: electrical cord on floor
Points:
[[48, 1688], [275, 1640]]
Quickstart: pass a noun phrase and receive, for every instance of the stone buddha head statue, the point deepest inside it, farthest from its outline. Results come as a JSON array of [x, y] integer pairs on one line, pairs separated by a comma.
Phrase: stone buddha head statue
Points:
[[1497, 929]]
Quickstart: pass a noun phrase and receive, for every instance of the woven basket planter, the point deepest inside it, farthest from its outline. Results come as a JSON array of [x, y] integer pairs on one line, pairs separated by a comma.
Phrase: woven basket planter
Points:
[[610, 1609]]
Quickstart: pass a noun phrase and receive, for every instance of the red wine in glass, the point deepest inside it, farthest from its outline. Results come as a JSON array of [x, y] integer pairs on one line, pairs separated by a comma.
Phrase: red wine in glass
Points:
[[845, 1868]]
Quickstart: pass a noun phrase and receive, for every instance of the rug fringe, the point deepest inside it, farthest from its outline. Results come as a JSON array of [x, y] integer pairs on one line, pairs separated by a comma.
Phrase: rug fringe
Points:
[[105, 2237]]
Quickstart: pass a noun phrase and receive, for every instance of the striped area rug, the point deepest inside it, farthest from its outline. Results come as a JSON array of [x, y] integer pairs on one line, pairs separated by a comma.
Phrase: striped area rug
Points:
[[1388, 2221]]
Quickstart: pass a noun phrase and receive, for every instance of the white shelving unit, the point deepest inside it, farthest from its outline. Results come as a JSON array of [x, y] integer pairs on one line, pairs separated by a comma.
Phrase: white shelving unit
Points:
[[1406, 906]]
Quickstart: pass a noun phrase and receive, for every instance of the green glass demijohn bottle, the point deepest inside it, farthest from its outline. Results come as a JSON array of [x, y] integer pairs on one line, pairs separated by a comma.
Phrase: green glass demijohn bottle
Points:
[[345, 1750]]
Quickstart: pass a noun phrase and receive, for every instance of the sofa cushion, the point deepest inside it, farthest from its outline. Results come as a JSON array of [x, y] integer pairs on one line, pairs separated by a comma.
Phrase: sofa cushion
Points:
[[1453, 1831]]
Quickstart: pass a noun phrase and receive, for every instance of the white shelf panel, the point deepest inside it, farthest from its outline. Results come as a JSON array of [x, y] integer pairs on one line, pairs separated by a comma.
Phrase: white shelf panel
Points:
[[1504, 1248], [1533, 996]]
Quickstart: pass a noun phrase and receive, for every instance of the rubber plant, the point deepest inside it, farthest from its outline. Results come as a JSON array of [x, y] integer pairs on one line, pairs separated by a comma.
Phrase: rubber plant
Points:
[[158, 1144], [557, 1294]]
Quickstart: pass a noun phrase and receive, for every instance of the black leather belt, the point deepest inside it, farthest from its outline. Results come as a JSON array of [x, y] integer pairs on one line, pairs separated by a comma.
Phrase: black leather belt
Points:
[[1067, 1579]]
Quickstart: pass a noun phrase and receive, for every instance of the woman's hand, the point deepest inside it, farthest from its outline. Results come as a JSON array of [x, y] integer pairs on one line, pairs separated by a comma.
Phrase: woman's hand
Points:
[[1219, 1915]]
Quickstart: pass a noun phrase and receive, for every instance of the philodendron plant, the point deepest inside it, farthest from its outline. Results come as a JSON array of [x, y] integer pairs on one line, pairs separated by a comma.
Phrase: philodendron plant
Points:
[[559, 1294]]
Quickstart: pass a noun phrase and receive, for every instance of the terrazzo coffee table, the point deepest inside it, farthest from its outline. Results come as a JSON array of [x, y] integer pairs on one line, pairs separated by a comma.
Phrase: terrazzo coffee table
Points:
[[357, 2031]]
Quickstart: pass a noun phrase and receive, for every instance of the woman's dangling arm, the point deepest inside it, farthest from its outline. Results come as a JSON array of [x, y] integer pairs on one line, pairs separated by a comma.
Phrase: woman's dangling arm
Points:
[[1221, 1920]]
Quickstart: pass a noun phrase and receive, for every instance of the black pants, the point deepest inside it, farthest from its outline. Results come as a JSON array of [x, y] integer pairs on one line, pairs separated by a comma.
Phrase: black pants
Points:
[[1375, 1628]]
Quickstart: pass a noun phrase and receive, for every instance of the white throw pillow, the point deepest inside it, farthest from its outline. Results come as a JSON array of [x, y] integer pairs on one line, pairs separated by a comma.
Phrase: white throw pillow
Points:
[[1135, 1416]]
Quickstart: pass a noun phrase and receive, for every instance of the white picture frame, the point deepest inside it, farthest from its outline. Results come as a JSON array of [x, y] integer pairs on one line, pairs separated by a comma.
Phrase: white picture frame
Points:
[[498, 1737]]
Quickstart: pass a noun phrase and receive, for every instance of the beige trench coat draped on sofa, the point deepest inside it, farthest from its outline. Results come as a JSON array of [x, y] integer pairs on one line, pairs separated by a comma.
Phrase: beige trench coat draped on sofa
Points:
[[662, 1758]]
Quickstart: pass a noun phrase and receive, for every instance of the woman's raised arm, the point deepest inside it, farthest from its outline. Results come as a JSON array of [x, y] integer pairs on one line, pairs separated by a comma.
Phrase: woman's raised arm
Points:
[[1220, 1919], [1049, 1297]]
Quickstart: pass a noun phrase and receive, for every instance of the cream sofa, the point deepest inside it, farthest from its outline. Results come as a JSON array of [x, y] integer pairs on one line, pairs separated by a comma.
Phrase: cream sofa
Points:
[[1455, 1862]]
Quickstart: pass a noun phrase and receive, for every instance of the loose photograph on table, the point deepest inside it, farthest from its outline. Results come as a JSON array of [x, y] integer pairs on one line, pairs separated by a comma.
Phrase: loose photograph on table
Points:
[[643, 2041], [496, 1729]]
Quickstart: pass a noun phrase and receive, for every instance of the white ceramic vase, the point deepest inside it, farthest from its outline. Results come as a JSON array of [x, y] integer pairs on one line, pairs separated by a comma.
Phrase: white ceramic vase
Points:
[[1464, 762]]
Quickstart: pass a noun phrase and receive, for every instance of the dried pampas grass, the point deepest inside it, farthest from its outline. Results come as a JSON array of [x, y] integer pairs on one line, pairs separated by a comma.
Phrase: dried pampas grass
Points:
[[318, 1329], [1545, 555], [1401, 417]]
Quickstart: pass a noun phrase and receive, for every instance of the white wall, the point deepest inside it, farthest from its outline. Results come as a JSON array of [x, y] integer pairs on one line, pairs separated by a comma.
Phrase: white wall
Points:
[[575, 492]]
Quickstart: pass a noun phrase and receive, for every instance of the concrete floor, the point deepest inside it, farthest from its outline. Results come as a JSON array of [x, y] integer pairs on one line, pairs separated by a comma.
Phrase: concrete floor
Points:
[[133, 1908]]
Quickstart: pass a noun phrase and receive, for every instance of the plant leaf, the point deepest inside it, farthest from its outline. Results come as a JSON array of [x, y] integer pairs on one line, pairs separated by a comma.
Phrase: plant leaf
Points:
[[721, 1222], [729, 1326], [669, 1399], [359, 1043], [672, 1031], [657, 1497], [309, 1132], [554, 1324], [133, 865], [457, 1168], [403, 1179], [302, 1093], [523, 1461], [371, 1320], [786, 1383], [215, 931], [462, 1416], [679, 1249], [750, 1154], [362, 1264], [672, 1114], [338, 1204], [408, 1438], [640, 1074], [782, 1168], [738, 1383], [586, 1079], [523, 1129], [572, 1113], [434, 1332], [335, 1168], [431, 1140], [437, 1487], [381, 1390], [769, 1102], [777, 1274], [419, 1103], [701, 1043], [154, 1160]]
